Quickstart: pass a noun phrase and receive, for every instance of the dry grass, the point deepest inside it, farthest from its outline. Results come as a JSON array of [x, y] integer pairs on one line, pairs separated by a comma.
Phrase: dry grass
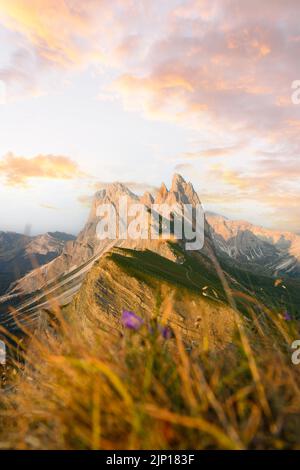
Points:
[[84, 389]]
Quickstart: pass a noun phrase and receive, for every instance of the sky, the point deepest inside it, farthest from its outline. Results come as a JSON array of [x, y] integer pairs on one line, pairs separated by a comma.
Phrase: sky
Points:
[[135, 90]]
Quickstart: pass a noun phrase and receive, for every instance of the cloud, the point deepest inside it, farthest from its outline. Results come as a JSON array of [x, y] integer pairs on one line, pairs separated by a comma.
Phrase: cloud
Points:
[[225, 73], [20, 76], [136, 187], [18, 171], [53, 27], [60, 37], [216, 69], [267, 191], [49, 207], [272, 186], [266, 175], [85, 199], [212, 152], [183, 167]]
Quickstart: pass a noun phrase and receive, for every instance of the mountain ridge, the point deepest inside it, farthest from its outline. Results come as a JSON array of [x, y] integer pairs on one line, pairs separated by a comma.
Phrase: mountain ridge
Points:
[[271, 251], [61, 279], [20, 254]]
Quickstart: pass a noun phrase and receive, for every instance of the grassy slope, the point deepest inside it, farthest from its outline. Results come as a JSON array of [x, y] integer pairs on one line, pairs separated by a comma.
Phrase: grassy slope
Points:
[[83, 389], [196, 273]]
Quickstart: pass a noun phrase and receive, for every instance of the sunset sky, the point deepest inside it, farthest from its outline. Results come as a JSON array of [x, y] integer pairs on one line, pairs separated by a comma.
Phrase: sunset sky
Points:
[[134, 90]]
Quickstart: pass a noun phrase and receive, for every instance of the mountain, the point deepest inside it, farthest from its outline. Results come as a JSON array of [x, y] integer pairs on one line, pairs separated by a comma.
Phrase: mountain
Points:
[[100, 277], [61, 278], [77, 254], [20, 254], [186, 295], [255, 248]]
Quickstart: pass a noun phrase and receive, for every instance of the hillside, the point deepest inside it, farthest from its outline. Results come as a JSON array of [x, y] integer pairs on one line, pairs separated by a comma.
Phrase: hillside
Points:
[[20, 254]]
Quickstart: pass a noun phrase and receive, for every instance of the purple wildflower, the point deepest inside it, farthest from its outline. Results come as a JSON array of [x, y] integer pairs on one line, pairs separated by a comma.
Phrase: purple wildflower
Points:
[[165, 331], [131, 321], [287, 316]]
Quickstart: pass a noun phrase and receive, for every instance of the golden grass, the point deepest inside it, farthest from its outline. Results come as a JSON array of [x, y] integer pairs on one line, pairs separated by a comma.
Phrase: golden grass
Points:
[[82, 388]]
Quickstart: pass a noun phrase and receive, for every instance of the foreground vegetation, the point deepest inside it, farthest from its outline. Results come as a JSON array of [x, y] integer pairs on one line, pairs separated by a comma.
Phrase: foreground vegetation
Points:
[[137, 388]]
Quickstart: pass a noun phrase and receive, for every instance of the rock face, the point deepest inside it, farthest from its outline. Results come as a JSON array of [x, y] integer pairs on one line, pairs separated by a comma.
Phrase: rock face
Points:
[[181, 192], [61, 278], [256, 248], [147, 199], [110, 287], [20, 254], [87, 246]]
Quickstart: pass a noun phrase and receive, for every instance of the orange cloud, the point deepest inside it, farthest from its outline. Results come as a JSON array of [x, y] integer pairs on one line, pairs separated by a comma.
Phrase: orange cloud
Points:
[[156, 83], [212, 152], [65, 35], [159, 96], [85, 200], [268, 187], [17, 171]]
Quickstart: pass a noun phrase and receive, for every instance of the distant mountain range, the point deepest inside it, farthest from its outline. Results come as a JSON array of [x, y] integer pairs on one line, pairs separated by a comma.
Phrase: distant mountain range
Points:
[[237, 257], [255, 248], [20, 254]]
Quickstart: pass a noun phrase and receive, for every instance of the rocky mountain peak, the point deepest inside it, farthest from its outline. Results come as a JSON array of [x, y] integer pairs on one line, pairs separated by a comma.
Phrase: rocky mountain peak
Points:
[[112, 191], [110, 195], [178, 183], [162, 194], [180, 192]]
